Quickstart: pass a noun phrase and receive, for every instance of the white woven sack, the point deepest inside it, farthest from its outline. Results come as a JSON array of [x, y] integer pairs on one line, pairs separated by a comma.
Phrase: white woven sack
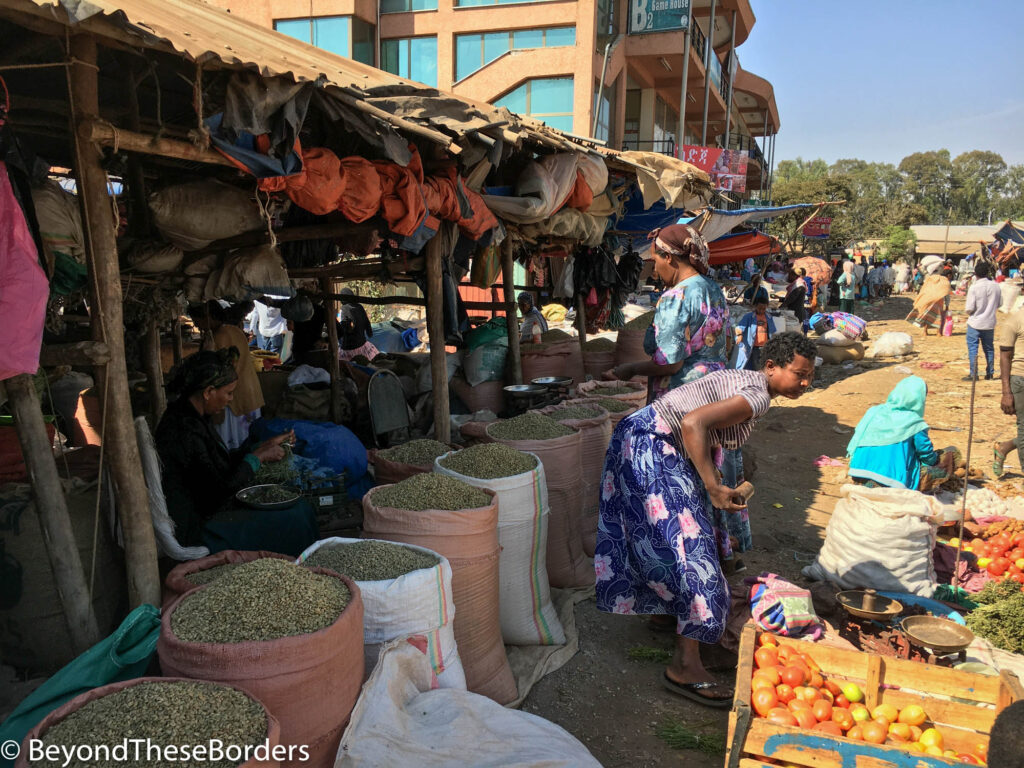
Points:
[[879, 538], [834, 338], [527, 615], [418, 603]]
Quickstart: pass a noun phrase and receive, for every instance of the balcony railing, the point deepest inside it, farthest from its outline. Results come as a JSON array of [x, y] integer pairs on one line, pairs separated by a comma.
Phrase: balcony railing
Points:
[[697, 40], [661, 146], [737, 141]]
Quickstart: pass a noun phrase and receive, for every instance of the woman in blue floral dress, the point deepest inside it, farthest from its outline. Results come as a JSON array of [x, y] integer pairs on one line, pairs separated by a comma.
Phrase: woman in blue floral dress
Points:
[[656, 541]]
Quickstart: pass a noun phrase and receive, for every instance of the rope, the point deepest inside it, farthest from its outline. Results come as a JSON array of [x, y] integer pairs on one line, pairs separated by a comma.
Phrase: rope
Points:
[[265, 215]]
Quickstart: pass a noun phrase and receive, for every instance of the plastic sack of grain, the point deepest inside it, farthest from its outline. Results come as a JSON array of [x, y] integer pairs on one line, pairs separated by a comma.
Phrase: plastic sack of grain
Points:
[[836, 355], [527, 615], [614, 417], [629, 344], [178, 582], [468, 538], [567, 565], [638, 395], [596, 433], [419, 604]]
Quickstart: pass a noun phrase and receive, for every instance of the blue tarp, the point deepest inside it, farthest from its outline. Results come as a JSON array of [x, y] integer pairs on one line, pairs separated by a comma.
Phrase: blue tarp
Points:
[[1010, 233], [723, 222]]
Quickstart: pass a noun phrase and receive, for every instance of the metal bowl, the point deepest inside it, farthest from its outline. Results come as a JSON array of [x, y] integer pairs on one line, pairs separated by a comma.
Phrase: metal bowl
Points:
[[868, 605], [553, 381], [243, 497], [524, 390], [941, 635]]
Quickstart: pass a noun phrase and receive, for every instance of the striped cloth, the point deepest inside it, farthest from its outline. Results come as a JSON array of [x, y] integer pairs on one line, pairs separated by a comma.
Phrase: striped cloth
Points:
[[782, 607], [673, 406]]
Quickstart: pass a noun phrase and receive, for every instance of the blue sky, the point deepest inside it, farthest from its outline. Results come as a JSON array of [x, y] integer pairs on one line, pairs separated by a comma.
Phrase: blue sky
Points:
[[879, 80]]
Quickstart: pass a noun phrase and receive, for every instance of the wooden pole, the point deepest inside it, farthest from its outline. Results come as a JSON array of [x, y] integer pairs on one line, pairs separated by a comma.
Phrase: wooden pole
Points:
[[154, 372], [58, 535], [508, 279], [108, 326], [330, 317], [178, 348], [581, 322], [105, 134], [438, 357]]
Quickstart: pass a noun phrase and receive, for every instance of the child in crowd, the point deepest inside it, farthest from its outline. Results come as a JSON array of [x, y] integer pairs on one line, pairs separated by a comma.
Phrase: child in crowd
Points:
[[752, 333]]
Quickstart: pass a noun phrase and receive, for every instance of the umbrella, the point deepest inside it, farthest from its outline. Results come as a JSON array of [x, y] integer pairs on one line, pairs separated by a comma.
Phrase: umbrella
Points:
[[818, 270]]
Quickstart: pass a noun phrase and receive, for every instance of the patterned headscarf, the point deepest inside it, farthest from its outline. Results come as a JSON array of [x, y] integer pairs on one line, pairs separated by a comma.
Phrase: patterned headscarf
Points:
[[203, 369], [683, 241]]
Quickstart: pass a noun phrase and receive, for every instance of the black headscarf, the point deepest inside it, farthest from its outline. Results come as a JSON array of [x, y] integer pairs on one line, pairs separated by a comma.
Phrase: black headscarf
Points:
[[201, 370]]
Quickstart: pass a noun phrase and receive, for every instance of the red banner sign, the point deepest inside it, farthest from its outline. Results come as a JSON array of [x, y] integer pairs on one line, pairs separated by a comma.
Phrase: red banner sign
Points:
[[726, 167], [819, 226]]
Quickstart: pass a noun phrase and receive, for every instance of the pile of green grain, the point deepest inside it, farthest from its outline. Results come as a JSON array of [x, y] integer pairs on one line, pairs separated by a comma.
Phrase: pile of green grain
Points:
[[419, 452], [528, 426], [575, 412], [429, 490], [490, 460], [370, 560], [600, 344], [612, 405], [263, 600], [554, 336], [640, 323], [165, 713], [277, 472], [199, 578]]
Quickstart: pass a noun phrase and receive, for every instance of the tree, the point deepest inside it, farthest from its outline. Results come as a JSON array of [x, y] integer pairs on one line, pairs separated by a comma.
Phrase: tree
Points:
[[899, 243], [978, 180], [1010, 203], [928, 181]]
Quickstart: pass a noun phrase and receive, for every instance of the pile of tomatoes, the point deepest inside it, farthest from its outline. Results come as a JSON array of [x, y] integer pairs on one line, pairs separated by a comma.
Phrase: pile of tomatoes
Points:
[[787, 688], [1002, 555]]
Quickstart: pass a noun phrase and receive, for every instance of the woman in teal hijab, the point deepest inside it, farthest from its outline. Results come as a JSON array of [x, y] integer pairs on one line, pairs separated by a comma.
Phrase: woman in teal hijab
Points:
[[891, 446]]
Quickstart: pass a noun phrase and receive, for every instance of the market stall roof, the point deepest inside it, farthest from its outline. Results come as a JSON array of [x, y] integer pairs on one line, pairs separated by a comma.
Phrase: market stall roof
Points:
[[729, 249], [1011, 232], [214, 38], [720, 222], [960, 240]]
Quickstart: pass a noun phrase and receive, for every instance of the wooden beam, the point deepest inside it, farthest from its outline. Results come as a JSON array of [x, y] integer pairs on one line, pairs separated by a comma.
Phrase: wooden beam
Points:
[[331, 230], [508, 284], [154, 372], [79, 353], [122, 449], [51, 506], [438, 356], [408, 301], [178, 348], [106, 135], [330, 317]]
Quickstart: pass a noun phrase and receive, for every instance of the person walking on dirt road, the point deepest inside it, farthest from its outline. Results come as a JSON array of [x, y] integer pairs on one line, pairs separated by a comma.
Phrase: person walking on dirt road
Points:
[[1011, 372]]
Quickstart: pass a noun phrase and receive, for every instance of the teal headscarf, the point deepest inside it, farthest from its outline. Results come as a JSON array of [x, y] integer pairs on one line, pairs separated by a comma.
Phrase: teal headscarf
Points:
[[900, 417]]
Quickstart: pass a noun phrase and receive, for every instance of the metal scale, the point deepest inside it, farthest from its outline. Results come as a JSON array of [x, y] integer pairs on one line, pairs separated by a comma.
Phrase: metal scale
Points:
[[540, 393]]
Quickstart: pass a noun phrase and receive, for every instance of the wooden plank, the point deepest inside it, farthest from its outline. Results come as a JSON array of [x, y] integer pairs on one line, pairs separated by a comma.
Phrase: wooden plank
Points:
[[874, 680], [78, 353], [1010, 690], [107, 135], [438, 355], [154, 372], [943, 711], [737, 732]]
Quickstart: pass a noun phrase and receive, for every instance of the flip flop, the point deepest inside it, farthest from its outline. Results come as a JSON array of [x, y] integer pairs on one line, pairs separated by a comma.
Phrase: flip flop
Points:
[[998, 459], [691, 691]]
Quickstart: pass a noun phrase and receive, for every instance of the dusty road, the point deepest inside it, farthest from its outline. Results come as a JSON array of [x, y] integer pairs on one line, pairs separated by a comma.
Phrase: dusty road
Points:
[[614, 704]]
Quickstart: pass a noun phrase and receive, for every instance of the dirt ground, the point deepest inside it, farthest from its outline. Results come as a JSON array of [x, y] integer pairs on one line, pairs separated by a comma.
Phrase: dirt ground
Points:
[[613, 704]]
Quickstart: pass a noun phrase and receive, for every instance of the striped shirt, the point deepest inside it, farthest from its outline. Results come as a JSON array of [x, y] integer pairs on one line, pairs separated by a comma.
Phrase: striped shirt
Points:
[[713, 388]]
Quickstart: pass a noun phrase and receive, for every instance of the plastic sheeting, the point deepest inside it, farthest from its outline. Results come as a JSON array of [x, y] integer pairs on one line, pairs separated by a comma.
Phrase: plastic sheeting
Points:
[[678, 184], [541, 189]]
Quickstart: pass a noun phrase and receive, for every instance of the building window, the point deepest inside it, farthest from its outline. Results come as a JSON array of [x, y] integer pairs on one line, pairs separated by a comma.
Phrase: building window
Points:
[[606, 110], [666, 123], [414, 58], [344, 35], [404, 6], [607, 22], [473, 52], [549, 99], [474, 3]]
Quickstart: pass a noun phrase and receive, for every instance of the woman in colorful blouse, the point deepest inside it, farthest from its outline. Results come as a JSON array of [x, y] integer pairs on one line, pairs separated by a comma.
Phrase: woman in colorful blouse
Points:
[[657, 552]]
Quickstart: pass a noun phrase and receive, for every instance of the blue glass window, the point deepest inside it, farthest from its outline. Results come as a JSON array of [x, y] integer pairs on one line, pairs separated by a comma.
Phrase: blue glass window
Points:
[[472, 3], [412, 57], [403, 6], [546, 98], [476, 51], [343, 35]]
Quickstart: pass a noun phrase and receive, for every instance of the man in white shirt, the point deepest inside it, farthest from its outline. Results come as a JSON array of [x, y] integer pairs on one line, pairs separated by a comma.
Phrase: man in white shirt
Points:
[[271, 327], [983, 299]]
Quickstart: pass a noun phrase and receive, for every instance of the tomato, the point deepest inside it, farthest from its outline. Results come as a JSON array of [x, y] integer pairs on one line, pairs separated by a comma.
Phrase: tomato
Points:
[[816, 680], [1013, 570], [932, 738], [781, 716], [808, 694], [784, 653], [998, 566], [758, 683], [766, 657], [805, 718], [827, 695], [832, 688], [793, 675], [841, 701], [855, 733], [769, 673], [900, 731], [1018, 577], [888, 711], [1018, 540], [798, 704], [830, 728], [785, 693], [873, 732], [969, 759], [764, 701], [1015, 554], [768, 639], [822, 710], [843, 718]]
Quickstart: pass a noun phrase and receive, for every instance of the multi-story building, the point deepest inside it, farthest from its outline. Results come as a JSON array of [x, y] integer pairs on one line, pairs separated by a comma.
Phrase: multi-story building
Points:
[[609, 69]]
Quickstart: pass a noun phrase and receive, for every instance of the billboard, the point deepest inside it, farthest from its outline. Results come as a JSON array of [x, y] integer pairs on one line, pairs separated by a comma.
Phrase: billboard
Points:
[[658, 15], [726, 167], [819, 227]]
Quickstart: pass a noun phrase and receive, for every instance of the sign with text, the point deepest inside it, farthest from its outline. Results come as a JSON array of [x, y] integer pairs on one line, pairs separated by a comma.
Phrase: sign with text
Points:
[[726, 167], [819, 227], [658, 15]]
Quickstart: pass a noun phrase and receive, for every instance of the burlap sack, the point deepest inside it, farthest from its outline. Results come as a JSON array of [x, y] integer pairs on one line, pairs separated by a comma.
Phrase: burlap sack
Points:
[[614, 416], [177, 584], [563, 358], [468, 539], [629, 347], [594, 388], [488, 396], [563, 472], [310, 682], [597, 362], [595, 434], [273, 726]]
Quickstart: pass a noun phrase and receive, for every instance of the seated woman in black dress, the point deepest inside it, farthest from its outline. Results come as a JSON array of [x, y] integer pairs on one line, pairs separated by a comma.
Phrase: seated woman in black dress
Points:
[[201, 477]]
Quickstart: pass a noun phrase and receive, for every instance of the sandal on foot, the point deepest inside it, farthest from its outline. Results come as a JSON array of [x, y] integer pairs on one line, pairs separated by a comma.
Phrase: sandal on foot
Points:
[[692, 691], [998, 459]]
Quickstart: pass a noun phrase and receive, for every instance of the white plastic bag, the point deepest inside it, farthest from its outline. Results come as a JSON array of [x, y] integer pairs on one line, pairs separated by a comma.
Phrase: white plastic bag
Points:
[[892, 344], [419, 604], [835, 338], [527, 616], [880, 538]]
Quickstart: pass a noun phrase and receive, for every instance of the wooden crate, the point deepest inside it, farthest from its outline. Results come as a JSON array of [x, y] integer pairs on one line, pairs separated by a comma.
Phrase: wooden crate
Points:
[[965, 722]]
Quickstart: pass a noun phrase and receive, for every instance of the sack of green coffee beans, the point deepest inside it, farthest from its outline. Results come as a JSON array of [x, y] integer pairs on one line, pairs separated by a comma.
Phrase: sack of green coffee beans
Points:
[[527, 615], [598, 356], [629, 343], [391, 465], [560, 450], [195, 573], [561, 356], [291, 636], [596, 427], [460, 523], [166, 712], [406, 590], [617, 409], [630, 391]]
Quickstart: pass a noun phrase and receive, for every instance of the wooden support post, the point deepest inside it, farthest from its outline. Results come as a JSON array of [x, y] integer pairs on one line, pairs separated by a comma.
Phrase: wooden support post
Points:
[[331, 318], [438, 357], [122, 449], [178, 348], [508, 279], [58, 535], [154, 372], [139, 219], [581, 322], [77, 353]]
